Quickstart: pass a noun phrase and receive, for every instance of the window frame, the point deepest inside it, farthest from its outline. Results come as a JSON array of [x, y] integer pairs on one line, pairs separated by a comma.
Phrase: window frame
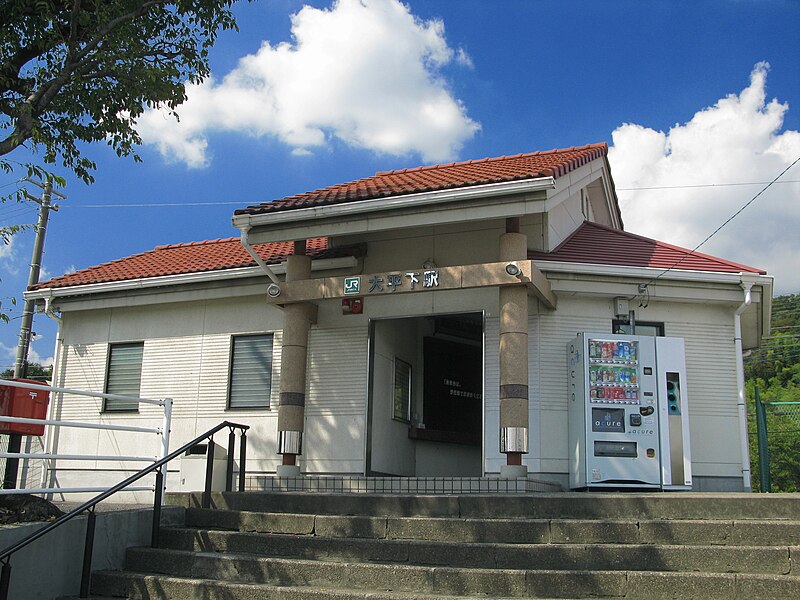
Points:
[[657, 325], [108, 403], [231, 356]]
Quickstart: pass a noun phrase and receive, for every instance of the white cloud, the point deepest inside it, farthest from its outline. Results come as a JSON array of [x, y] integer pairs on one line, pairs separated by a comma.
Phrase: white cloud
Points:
[[737, 140], [8, 257], [6, 249], [10, 354], [364, 71], [464, 59]]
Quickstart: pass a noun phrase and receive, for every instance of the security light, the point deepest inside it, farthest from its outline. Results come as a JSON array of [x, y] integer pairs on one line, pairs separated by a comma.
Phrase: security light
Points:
[[273, 290], [513, 269]]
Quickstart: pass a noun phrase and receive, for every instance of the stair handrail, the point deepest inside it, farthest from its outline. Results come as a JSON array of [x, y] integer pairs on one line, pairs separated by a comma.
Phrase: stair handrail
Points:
[[5, 555]]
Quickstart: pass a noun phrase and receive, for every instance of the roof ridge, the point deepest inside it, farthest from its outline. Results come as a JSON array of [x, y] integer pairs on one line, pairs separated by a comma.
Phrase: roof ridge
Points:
[[196, 243], [599, 145]]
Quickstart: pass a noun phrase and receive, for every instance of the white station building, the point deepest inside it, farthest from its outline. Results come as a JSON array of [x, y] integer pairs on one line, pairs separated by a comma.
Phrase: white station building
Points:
[[409, 324]]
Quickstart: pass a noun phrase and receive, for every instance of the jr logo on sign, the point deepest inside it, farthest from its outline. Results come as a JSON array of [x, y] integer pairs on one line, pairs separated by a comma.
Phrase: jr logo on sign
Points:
[[352, 285]]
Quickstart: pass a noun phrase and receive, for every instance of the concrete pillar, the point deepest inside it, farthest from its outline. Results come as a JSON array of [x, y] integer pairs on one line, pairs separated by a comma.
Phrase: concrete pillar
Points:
[[294, 353], [513, 358]]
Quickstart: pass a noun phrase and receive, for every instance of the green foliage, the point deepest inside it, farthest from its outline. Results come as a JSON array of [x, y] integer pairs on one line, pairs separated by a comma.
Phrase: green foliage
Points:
[[775, 369], [76, 71], [3, 316], [33, 371]]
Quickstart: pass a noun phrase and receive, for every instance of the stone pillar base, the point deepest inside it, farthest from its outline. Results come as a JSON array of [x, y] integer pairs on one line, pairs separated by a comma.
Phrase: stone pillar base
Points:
[[513, 471], [288, 471]]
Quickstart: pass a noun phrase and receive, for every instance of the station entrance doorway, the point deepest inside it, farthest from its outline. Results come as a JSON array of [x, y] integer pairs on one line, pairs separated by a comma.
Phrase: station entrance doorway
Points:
[[425, 415]]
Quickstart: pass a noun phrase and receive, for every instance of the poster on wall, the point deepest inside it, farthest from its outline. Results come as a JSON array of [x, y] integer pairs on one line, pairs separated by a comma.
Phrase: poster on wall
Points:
[[453, 386], [401, 397]]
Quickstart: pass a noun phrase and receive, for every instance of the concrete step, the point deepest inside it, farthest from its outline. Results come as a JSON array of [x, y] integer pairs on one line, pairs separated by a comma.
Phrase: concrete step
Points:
[[710, 559], [635, 506], [501, 530], [529, 584]]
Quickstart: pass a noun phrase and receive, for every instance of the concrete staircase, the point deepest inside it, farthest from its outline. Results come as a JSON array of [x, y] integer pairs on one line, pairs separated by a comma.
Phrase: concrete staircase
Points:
[[302, 546]]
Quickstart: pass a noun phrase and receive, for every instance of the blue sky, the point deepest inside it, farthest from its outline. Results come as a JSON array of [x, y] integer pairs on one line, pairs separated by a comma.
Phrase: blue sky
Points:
[[342, 90]]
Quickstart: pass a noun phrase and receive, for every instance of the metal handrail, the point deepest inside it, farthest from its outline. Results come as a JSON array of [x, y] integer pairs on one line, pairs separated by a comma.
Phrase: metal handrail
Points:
[[14, 454], [5, 555], [63, 390]]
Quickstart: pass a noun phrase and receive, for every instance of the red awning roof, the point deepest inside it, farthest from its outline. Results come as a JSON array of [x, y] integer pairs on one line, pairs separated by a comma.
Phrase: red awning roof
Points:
[[176, 259], [552, 163], [597, 244]]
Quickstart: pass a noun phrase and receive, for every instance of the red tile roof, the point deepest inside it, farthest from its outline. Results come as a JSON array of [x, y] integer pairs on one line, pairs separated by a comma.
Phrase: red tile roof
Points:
[[596, 244], [590, 243], [553, 163], [176, 259]]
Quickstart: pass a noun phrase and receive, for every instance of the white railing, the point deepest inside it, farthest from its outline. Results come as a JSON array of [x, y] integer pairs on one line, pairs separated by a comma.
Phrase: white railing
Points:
[[162, 432]]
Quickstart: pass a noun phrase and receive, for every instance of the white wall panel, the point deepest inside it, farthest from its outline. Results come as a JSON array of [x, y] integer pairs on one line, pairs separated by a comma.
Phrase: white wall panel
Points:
[[336, 400], [493, 459]]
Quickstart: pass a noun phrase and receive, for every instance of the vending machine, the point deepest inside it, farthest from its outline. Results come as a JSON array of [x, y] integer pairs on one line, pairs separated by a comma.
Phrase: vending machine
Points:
[[628, 418]]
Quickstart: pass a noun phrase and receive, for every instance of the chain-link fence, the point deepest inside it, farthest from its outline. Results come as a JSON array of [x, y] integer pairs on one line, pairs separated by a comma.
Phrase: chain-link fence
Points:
[[775, 440]]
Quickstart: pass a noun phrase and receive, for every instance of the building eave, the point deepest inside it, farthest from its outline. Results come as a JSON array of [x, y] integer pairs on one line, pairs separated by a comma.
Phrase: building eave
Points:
[[361, 216], [649, 274], [179, 279]]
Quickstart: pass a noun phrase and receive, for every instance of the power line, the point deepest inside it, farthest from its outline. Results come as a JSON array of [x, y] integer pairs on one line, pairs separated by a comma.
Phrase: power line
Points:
[[700, 185], [5, 185], [240, 203], [728, 220], [774, 359], [157, 204]]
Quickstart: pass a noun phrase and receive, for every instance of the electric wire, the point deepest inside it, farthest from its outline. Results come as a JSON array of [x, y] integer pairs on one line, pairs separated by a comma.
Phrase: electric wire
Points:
[[701, 185], [240, 203], [153, 204], [5, 185], [773, 359], [728, 220]]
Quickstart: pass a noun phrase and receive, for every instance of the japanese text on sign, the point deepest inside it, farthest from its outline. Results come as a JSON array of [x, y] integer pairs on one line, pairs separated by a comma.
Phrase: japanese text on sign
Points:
[[392, 282]]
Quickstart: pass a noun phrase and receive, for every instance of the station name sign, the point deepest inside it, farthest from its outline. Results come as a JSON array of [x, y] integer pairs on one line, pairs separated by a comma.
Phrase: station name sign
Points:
[[392, 282], [410, 281]]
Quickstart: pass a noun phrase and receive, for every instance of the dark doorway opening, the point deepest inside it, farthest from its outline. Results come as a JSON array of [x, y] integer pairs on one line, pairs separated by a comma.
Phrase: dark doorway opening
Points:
[[426, 396]]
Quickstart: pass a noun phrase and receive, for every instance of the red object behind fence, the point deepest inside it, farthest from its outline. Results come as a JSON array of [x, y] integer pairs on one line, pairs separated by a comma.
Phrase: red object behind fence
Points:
[[25, 403]]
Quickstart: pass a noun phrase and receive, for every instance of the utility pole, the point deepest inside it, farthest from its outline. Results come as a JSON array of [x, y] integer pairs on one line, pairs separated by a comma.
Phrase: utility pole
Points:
[[20, 364]]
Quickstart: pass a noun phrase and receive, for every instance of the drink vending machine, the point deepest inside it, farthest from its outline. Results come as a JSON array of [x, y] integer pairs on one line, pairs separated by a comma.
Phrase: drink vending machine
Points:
[[628, 418]]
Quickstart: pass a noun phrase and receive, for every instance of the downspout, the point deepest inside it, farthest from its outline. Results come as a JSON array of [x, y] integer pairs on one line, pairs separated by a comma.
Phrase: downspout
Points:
[[51, 433], [245, 241], [737, 342]]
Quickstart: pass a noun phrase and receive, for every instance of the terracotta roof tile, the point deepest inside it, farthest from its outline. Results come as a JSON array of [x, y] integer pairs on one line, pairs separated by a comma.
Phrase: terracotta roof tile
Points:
[[552, 163], [596, 244], [192, 257]]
